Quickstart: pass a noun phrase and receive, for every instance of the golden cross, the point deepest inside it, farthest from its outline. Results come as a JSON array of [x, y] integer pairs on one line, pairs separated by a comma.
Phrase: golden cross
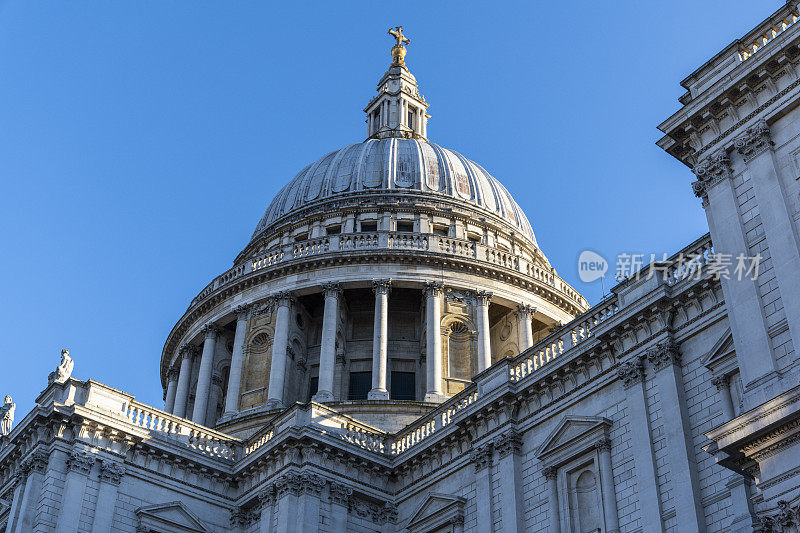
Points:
[[397, 33]]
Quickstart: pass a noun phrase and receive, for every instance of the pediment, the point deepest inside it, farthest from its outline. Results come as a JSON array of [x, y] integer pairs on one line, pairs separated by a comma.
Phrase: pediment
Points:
[[721, 353], [172, 517], [436, 510], [571, 436]]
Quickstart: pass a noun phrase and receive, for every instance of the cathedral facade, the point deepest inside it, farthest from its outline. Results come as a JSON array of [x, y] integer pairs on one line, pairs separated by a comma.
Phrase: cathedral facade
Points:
[[393, 352]]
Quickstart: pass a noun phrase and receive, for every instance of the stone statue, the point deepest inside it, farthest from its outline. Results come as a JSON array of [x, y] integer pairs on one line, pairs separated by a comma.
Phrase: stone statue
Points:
[[7, 416], [63, 371]]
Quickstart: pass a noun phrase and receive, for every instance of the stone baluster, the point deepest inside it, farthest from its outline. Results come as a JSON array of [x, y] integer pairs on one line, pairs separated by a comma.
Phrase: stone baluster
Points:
[[172, 387], [484, 338], [433, 348], [203, 389], [277, 375], [380, 363], [327, 352], [187, 352], [237, 360], [525, 313]]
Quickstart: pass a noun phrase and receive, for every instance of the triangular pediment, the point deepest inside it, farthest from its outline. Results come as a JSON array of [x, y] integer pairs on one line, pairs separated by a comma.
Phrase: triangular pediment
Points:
[[721, 352], [171, 517], [572, 433], [436, 509]]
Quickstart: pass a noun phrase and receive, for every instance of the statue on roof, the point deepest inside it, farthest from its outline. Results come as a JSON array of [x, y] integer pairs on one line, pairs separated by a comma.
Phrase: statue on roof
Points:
[[7, 416], [62, 371]]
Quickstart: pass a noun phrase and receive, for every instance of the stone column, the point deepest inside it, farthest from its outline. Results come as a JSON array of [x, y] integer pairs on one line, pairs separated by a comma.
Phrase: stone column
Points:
[[277, 373], [215, 393], [182, 390], [203, 389], [237, 360], [610, 516], [339, 496], [666, 362], [110, 476], [484, 337], [433, 347], [722, 383], [380, 363], [327, 350], [172, 387], [551, 475], [482, 459], [525, 313], [509, 470], [79, 464], [631, 374]]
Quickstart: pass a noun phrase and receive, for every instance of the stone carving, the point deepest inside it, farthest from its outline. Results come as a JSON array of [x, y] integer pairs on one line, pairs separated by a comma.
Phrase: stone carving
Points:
[[664, 354], [242, 312], [550, 472], [603, 444], [267, 496], [483, 297], [331, 289], [80, 462], [299, 483], [631, 372], [721, 382], [340, 494], [526, 311], [210, 331], [7, 416], [710, 172], [111, 472], [433, 288], [173, 373], [63, 371], [754, 141], [187, 351], [786, 520], [283, 299], [36, 463], [242, 517], [382, 286]]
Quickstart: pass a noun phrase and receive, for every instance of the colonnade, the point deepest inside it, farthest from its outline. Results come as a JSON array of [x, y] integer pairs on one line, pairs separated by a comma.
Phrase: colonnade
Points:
[[179, 378]]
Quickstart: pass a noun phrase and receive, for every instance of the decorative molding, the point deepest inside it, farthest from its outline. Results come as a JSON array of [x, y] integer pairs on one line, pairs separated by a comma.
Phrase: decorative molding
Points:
[[173, 373], [710, 172], [298, 484], [721, 382], [187, 351], [243, 518], [508, 443], [631, 372], [785, 520], [664, 354], [550, 472], [482, 457], [482, 297], [242, 312], [339, 494], [603, 444], [433, 288], [382, 286], [283, 299], [526, 310], [331, 289]]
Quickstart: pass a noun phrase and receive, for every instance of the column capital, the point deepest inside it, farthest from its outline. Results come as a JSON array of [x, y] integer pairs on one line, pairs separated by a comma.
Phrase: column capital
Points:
[[550, 472], [433, 288], [187, 351], [210, 331], [340, 494], [483, 297], [111, 472], [80, 462], [331, 289], [482, 457], [711, 171], [508, 443], [526, 310], [754, 141], [267, 496], [283, 298], [664, 354], [382, 286], [216, 380], [631, 372], [603, 444], [242, 312], [721, 382], [173, 373]]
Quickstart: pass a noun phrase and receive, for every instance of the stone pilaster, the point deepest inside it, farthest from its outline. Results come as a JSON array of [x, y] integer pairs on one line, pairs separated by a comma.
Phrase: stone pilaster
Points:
[[79, 465], [481, 458], [111, 474]]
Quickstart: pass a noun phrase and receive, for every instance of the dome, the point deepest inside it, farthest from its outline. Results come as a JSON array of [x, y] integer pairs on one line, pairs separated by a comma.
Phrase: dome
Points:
[[393, 166]]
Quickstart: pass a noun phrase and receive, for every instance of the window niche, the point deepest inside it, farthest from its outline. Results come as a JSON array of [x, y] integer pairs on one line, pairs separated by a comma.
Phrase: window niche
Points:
[[576, 462]]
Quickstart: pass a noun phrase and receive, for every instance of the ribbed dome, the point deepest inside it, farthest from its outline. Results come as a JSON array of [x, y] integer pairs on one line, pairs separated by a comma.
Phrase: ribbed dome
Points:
[[396, 166]]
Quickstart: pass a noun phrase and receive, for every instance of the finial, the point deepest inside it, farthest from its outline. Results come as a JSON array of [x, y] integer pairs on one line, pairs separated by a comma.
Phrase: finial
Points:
[[398, 50]]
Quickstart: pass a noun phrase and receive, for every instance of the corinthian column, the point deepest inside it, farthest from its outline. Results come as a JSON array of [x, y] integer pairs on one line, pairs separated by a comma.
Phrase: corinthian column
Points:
[[204, 375], [172, 385], [237, 359], [327, 350], [182, 390], [433, 309], [277, 373], [380, 362], [484, 341], [525, 314]]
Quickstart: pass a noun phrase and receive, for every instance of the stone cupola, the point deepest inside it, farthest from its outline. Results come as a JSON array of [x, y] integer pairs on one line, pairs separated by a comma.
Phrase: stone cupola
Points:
[[399, 110]]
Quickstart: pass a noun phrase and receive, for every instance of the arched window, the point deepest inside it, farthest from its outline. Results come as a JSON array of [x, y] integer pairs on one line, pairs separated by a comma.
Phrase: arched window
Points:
[[584, 502]]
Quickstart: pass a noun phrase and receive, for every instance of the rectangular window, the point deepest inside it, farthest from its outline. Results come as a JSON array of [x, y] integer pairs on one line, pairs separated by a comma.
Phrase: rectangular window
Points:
[[403, 386], [360, 385], [405, 226], [301, 237], [376, 119], [369, 227], [333, 230], [313, 387], [474, 238], [411, 113], [444, 231]]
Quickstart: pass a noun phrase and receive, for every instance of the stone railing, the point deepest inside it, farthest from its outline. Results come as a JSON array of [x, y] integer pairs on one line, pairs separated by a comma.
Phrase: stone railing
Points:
[[424, 242], [169, 427], [437, 419], [690, 262], [764, 35]]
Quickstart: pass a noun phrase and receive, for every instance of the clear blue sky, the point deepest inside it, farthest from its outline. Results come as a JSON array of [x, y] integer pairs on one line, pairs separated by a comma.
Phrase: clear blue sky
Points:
[[141, 141]]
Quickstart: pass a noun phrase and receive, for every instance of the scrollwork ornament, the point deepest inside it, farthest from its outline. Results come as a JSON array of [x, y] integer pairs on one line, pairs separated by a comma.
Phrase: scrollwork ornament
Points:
[[340, 494], [631, 372], [242, 312], [603, 444], [754, 142], [663, 355], [111, 472], [483, 297], [710, 172], [721, 382], [481, 457], [80, 462], [549, 472], [332, 290], [785, 520], [508, 443]]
